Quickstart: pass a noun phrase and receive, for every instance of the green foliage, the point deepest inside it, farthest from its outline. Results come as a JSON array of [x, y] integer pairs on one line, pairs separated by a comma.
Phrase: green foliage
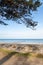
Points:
[[18, 9]]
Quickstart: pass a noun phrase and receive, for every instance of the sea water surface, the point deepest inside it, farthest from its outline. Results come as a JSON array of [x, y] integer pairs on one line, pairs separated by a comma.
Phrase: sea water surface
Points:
[[23, 41]]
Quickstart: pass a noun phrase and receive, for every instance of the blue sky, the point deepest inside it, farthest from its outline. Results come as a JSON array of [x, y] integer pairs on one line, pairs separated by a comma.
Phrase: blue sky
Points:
[[14, 30]]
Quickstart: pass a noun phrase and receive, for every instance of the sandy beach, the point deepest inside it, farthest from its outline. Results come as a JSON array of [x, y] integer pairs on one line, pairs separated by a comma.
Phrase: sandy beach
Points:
[[21, 54]]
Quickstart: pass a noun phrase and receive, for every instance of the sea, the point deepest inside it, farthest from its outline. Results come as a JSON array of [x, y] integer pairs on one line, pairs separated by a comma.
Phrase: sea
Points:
[[22, 41]]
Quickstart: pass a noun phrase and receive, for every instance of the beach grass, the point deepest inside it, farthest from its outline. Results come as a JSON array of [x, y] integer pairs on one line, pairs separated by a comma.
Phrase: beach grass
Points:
[[5, 51], [21, 54], [14, 52], [24, 54], [18, 53], [40, 55]]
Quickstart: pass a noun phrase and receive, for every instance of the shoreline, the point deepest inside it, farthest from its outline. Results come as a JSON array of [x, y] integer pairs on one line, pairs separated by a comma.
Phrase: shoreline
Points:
[[21, 43]]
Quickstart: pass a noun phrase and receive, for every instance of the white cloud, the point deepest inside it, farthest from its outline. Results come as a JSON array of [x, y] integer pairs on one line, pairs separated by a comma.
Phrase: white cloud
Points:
[[23, 34]]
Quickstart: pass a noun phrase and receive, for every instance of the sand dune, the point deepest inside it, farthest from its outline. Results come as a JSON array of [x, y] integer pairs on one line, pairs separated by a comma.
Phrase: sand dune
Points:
[[12, 54]]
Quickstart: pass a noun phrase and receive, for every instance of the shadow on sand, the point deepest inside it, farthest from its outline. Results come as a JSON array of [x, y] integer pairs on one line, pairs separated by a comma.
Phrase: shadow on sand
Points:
[[7, 57], [21, 59]]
